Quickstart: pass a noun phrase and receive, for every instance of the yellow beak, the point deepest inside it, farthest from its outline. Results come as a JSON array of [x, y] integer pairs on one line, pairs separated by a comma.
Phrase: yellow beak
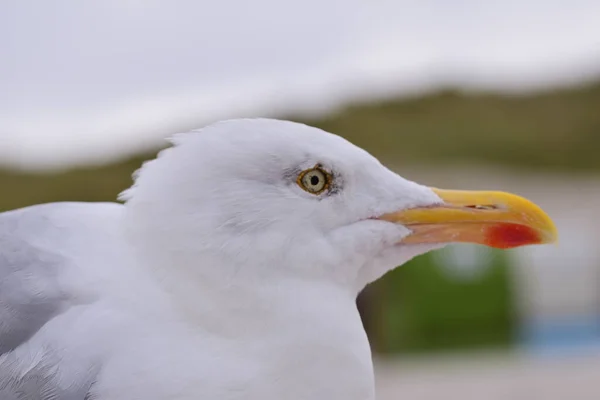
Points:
[[495, 219]]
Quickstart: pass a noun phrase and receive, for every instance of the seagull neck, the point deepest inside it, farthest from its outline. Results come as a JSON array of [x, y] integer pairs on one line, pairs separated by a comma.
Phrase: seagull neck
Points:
[[294, 330], [234, 304]]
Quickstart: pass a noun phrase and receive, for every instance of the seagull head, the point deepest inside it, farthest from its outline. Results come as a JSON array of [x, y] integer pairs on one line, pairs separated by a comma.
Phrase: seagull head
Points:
[[250, 200]]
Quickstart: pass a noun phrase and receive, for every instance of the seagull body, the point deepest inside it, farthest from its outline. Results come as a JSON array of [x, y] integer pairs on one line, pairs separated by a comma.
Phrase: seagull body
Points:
[[230, 272]]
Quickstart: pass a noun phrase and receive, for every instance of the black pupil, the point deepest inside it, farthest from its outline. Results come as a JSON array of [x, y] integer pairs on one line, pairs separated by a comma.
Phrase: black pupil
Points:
[[314, 180]]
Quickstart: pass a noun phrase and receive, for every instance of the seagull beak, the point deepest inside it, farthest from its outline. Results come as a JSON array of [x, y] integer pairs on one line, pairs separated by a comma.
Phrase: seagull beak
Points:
[[495, 219]]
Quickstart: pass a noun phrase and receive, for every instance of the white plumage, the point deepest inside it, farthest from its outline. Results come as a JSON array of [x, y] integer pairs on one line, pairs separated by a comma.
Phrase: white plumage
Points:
[[219, 278]]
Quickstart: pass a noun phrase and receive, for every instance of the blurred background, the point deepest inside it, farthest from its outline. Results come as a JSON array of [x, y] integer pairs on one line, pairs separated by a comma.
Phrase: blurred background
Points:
[[459, 94]]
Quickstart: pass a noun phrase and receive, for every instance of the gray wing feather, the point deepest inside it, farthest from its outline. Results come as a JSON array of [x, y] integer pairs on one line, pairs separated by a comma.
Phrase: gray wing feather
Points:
[[29, 292], [41, 382], [36, 246]]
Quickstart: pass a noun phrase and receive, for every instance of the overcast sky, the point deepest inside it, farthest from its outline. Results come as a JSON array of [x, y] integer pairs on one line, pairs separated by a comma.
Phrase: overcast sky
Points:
[[89, 81]]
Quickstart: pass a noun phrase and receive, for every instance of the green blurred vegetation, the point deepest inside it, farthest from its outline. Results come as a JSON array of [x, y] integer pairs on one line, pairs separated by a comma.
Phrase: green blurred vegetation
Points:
[[425, 306], [555, 129], [101, 183]]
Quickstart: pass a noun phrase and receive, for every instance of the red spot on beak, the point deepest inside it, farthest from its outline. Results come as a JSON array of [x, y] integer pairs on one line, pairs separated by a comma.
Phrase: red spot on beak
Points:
[[508, 236]]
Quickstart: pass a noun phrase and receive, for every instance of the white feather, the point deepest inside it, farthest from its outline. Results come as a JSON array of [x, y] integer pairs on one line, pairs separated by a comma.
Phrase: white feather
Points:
[[219, 278]]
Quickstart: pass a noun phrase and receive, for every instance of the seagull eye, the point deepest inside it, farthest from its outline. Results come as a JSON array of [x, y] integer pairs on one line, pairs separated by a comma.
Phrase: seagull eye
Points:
[[314, 180]]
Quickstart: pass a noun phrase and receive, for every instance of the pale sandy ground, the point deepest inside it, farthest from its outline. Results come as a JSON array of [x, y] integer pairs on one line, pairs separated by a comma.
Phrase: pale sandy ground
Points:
[[491, 377]]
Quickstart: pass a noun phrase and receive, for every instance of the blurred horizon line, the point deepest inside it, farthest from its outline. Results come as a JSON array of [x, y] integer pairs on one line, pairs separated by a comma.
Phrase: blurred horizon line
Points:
[[157, 139]]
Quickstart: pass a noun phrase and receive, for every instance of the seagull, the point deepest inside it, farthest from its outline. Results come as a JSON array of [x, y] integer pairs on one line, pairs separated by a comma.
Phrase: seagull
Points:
[[229, 270]]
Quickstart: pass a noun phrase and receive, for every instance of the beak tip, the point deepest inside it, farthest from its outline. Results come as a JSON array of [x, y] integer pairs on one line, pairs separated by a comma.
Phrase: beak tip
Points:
[[552, 236]]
